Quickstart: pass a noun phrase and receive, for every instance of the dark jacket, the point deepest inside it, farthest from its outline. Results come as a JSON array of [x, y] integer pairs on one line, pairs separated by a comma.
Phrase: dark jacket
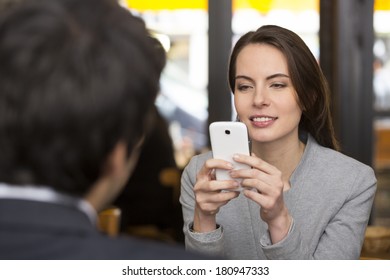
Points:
[[40, 230]]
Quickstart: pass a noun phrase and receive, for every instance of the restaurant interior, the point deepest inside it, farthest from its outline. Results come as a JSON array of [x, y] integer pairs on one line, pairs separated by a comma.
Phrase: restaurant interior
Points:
[[189, 98]]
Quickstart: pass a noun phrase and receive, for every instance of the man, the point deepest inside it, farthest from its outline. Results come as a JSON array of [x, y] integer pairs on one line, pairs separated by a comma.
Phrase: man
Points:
[[77, 80]]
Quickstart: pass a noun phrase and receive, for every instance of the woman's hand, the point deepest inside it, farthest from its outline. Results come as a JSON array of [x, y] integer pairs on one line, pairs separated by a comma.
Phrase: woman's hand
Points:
[[268, 182], [209, 196]]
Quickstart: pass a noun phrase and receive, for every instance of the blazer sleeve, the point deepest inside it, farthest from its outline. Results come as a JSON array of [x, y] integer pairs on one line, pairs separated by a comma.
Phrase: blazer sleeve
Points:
[[343, 236]]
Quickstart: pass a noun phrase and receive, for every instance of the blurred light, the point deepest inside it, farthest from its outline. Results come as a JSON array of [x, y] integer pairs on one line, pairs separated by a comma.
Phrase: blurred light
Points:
[[381, 21], [163, 39]]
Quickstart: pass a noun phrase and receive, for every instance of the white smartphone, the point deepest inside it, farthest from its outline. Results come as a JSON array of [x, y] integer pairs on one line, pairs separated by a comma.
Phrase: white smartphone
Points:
[[227, 139]]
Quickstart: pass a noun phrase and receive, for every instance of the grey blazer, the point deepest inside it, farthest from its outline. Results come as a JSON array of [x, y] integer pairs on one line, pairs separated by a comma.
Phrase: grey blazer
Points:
[[330, 201]]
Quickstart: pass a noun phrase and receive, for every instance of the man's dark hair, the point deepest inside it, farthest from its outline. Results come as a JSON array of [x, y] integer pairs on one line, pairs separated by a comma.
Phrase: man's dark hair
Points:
[[76, 77]]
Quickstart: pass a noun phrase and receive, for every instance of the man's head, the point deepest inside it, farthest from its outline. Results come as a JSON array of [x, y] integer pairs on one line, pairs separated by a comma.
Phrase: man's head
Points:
[[76, 78]]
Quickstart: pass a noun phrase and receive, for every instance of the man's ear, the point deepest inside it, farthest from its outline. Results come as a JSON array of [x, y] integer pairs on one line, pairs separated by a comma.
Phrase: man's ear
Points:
[[112, 179], [116, 160], [121, 163], [115, 172]]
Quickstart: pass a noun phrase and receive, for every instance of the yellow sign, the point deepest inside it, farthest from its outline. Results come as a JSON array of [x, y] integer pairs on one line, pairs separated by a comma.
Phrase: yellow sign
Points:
[[383, 5], [263, 6], [145, 5]]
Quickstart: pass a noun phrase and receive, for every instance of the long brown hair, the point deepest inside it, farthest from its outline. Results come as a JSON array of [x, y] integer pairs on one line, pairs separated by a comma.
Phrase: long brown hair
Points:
[[306, 76]]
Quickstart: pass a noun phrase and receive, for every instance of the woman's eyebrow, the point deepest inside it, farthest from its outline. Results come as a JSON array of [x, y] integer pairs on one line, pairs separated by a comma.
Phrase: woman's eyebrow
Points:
[[244, 77], [277, 75]]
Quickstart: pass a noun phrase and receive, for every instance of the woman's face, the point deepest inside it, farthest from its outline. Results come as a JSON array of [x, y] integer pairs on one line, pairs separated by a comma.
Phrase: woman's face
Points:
[[264, 96]]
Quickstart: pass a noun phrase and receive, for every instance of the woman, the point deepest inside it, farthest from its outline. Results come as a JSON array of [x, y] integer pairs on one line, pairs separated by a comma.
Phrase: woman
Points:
[[310, 201]]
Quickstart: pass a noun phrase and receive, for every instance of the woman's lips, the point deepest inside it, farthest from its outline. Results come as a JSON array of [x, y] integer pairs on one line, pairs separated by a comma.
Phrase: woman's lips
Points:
[[263, 121]]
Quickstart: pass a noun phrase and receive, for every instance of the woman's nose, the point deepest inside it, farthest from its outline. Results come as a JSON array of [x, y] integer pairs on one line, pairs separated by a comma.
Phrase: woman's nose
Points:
[[260, 98]]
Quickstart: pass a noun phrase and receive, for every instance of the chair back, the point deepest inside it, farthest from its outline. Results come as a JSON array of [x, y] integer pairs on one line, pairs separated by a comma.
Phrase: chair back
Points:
[[376, 243], [109, 221]]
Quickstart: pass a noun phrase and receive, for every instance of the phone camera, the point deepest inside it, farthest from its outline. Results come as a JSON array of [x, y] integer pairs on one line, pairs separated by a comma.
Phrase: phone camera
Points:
[[227, 131]]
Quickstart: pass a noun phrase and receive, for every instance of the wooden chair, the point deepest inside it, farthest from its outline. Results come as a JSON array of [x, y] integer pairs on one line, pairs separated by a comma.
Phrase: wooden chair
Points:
[[376, 244], [170, 178], [151, 232], [109, 221], [382, 147]]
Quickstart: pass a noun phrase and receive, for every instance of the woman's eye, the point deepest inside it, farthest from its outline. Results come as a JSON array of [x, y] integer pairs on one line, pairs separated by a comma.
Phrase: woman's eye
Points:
[[278, 85], [243, 87]]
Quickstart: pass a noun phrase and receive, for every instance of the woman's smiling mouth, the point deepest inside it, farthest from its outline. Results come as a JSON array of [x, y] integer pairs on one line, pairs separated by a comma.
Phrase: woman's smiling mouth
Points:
[[262, 121]]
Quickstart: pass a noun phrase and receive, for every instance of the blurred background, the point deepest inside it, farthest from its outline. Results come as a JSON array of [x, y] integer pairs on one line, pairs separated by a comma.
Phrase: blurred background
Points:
[[350, 38], [184, 28]]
